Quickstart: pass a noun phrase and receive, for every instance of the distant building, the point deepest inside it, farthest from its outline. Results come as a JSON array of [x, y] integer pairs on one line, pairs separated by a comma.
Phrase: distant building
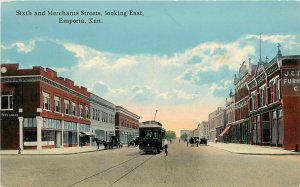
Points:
[[188, 132], [203, 129], [216, 121], [127, 125], [229, 117], [195, 133]]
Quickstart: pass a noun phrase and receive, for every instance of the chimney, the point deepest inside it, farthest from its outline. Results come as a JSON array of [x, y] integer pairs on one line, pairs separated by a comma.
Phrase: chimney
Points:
[[51, 72]]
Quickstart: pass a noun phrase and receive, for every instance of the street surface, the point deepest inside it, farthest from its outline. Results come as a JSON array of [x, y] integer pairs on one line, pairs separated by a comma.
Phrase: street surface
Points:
[[185, 166]]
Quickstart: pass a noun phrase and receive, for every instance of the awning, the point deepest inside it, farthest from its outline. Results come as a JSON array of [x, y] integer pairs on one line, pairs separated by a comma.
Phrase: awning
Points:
[[225, 131], [88, 134]]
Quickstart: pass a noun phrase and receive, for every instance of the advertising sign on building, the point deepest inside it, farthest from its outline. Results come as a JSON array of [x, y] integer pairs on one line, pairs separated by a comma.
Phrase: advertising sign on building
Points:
[[291, 82]]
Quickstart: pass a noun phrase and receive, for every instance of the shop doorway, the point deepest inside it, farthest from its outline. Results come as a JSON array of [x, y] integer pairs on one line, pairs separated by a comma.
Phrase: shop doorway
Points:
[[265, 128]]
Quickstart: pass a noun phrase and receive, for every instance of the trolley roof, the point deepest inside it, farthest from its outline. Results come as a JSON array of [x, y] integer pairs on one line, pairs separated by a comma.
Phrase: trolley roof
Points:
[[149, 124]]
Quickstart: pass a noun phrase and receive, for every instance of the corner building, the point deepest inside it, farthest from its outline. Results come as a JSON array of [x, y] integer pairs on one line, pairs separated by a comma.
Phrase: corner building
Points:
[[40, 110], [274, 102]]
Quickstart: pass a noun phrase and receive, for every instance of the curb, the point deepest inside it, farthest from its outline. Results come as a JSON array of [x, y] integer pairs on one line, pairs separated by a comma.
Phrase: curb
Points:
[[267, 154], [30, 154]]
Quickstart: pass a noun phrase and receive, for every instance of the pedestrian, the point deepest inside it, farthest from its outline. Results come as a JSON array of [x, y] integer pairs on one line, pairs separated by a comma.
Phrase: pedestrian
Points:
[[166, 147], [197, 141], [192, 141]]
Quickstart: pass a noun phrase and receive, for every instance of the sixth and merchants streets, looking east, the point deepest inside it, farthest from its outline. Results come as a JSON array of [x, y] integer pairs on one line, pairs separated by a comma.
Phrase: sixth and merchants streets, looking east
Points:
[[83, 16]]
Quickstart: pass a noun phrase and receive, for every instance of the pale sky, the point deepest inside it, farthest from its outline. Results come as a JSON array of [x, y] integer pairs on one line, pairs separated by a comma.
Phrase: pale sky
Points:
[[178, 58]]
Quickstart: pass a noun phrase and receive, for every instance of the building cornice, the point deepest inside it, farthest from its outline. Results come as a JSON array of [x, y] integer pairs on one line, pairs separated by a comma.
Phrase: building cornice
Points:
[[40, 78]]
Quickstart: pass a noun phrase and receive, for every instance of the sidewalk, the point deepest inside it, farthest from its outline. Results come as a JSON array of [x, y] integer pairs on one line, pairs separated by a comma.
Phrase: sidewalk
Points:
[[252, 149], [54, 151]]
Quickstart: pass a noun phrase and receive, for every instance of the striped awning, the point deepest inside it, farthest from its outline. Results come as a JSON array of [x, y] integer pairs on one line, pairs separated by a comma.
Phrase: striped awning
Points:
[[226, 130]]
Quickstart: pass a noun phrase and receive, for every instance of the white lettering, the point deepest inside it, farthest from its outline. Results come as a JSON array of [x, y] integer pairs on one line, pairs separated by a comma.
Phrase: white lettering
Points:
[[296, 88]]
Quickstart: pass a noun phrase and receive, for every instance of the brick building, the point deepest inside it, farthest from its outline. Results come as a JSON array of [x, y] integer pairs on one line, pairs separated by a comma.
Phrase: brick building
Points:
[[40, 110], [240, 127], [274, 102], [127, 125]]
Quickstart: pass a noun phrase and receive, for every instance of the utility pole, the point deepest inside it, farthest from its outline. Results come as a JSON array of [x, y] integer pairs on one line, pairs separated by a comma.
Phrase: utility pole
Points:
[[155, 115]]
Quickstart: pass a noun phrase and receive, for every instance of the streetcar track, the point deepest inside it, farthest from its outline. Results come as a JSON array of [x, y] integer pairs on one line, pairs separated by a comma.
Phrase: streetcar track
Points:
[[130, 171], [110, 168]]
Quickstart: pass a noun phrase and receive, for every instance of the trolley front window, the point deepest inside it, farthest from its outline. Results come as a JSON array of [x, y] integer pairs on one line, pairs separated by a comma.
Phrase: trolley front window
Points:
[[148, 134], [142, 134]]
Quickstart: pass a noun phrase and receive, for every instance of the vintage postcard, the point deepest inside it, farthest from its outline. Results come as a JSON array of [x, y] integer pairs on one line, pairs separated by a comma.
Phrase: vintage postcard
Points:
[[150, 93]]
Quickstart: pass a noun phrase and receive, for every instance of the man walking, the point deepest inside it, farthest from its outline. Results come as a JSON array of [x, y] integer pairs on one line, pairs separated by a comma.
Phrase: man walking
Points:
[[166, 147]]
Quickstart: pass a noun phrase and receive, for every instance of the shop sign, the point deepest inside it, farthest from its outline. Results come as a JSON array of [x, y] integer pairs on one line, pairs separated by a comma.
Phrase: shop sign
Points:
[[290, 82], [9, 115]]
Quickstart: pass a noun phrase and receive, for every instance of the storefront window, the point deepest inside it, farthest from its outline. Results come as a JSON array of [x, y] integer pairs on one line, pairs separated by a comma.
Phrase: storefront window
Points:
[[48, 135], [51, 123], [280, 127], [30, 135], [258, 130], [29, 122], [66, 137], [274, 127], [74, 137], [253, 130]]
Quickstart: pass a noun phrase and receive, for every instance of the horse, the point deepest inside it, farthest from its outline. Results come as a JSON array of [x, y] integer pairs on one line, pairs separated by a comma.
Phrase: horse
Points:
[[98, 142]]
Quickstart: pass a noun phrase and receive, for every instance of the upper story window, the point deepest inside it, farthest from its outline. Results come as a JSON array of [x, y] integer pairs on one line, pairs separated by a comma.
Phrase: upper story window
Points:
[[87, 112], [67, 106], [94, 114], [73, 109], [81, 111], [6, 100], [262, 95], [46, 101], [57, 104], [252, 101], [274, 90]]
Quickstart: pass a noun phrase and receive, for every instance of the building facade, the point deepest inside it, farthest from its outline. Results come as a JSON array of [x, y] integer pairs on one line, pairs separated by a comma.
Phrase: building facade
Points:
[[229, 117], [127, 125], [195, 133], [240, 127], [103, 115], [203, 129], [274, 102], [40, 110], [216, 121]]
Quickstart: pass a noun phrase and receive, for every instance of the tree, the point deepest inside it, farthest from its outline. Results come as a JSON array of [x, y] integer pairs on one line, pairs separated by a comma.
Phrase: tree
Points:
[[170, 135], [184, 136]]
